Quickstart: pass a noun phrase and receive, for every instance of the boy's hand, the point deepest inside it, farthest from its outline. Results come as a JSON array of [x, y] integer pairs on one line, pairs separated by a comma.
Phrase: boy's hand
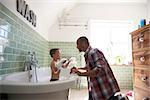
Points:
[[64, 61], [73, 70]]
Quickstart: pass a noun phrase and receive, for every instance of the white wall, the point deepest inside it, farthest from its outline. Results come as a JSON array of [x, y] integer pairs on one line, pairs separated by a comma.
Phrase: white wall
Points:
[[84, 12], [148, 11], [66, 33], [45, 10]]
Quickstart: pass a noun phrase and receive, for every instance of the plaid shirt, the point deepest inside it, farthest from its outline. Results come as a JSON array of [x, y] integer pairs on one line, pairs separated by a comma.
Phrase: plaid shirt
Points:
[[104, 85]]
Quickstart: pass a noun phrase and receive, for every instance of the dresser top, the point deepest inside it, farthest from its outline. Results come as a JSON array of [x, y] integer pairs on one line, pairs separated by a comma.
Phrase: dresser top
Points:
[[140, 29]]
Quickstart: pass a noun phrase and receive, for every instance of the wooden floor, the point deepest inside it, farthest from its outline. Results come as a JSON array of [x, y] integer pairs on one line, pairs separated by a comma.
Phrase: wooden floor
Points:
[[78, 94], [82, 94]]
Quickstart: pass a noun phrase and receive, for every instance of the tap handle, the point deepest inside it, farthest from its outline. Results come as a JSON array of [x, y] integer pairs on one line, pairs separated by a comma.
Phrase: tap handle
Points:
[[28, 57], [34, 57]]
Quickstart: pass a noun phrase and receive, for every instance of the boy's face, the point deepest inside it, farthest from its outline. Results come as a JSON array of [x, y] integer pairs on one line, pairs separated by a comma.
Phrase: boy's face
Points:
[[56, 55]]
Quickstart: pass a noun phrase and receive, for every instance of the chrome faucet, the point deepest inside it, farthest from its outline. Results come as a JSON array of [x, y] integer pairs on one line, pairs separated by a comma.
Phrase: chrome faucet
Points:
[[31, 64], [27, 65], [34, 65]]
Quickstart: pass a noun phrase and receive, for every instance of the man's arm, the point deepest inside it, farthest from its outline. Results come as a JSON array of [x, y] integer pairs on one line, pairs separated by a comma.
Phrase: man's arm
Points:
[[99, 61], [83, 72], [83, 68], [89, 73]]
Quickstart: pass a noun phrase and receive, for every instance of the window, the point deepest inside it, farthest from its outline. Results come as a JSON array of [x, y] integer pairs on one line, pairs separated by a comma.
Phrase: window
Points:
[[113, 39], [4, 28]]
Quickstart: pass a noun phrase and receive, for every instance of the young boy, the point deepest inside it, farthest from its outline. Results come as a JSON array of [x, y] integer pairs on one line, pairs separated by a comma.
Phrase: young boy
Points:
[[56, 64]]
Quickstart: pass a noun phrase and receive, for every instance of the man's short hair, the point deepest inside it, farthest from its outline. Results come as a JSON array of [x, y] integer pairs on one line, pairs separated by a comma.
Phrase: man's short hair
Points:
[[52, 51], [83, 39]]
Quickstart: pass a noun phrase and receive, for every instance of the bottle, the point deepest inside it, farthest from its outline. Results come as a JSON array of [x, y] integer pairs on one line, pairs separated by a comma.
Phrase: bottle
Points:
[[143, 22]]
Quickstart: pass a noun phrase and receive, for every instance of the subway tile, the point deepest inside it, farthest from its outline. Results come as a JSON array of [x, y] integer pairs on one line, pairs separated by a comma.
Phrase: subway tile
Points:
[[17, 38], [7, 50], [18, 69], [16, 51], [5, 65], [10, 36], [12, 44], [0, 65], [19, 45], [11, 57], [20, 58], [17, 27], [19, 64], [0, 6], [10, 70], [2, 71], [5, 57], [2, 16], [22, 39], [13, 30], [6, 11], [13, 64]]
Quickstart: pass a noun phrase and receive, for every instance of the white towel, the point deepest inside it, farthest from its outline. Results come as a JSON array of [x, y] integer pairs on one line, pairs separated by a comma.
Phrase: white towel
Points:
[[60, 63]]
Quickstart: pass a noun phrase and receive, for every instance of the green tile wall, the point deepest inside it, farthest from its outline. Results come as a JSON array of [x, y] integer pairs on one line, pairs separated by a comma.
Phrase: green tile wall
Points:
[[124, 76], [68, 49], [22, 39]]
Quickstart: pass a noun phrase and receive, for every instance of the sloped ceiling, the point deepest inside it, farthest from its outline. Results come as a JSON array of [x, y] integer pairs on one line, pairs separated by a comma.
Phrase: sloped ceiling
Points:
[[48, 11]]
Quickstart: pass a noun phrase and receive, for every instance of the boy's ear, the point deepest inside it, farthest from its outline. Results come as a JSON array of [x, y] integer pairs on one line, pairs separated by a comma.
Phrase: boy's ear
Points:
[[52, 55]]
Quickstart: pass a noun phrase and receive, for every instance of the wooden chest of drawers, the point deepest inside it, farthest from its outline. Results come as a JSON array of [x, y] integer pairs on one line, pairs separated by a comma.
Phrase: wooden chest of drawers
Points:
[[141, 95], [141, 62]]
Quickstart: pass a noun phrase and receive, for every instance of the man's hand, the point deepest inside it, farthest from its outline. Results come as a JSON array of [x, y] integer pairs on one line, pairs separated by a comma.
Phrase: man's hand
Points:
[[77, 71]]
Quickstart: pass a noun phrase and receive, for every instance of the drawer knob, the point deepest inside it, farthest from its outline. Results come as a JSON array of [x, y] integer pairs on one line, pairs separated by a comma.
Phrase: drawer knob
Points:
[[145, 98], [144, 78], [141, 39], [142, 59]]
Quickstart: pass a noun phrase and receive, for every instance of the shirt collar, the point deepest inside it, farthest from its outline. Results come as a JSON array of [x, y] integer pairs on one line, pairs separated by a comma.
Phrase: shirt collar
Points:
[[88, 49]]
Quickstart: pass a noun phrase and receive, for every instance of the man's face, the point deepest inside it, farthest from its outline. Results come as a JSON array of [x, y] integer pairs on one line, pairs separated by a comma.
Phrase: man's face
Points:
[[79, 46]]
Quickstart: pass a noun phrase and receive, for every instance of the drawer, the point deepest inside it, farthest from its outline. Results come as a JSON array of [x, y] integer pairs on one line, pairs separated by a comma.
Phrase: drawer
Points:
[[141, 40], [142, 79], [141, 95], [141, 58]]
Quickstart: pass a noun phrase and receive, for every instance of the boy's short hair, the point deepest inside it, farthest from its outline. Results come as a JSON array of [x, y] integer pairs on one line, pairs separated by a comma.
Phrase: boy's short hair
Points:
[[52, 51]]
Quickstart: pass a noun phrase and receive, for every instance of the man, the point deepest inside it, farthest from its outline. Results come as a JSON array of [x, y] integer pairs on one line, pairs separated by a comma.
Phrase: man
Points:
[[102, 84]]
